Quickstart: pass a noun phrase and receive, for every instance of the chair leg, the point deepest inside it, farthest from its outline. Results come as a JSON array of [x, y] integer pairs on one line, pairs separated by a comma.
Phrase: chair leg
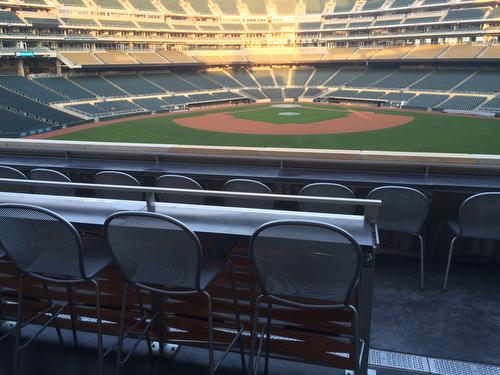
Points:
[[268, 336], [211, 363], [422, 250], [18, 324], [448, 264], [51, 303], [69, 290], [237, 315], [143, 313], [254, 335], [100, 349], [123, 314]]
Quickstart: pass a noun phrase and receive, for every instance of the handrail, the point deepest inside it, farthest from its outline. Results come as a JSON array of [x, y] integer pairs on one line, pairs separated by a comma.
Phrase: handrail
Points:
[[371, 206]]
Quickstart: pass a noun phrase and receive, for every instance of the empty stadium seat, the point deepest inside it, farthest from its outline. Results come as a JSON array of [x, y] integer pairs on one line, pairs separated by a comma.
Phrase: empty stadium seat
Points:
[[426, 100]]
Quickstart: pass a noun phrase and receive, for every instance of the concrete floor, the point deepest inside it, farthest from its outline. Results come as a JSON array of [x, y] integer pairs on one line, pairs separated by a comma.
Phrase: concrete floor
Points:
[[463, 324]]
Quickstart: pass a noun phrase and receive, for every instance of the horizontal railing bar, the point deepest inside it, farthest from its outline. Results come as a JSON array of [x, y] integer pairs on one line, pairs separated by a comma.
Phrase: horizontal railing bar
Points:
[[205, 193]]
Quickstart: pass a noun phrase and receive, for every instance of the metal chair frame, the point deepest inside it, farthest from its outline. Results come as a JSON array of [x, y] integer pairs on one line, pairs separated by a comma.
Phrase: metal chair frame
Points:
[[62, 175], [418, 235], [19, 175], [458, 236], [303, 191], [265, 333], [249, 181], [117, 173], [161, 296], [68, 282], [185, 178]]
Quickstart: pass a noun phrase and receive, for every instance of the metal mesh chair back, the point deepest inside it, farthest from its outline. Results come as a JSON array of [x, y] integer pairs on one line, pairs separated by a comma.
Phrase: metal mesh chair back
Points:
[[50, 175], [330, 191], [41, 242], [117, 178], [154, 249], [9, 172], [403, 209], [248, 186], [479, 216], [179, 182], [306, 260]]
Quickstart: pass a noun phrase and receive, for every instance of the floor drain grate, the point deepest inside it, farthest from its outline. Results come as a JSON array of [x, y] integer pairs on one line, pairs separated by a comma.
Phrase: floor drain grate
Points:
[[409, 362], [447, 367]]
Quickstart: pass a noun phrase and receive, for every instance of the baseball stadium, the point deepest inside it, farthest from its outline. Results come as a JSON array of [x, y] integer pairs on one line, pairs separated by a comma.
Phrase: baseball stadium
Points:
[[250, 186]]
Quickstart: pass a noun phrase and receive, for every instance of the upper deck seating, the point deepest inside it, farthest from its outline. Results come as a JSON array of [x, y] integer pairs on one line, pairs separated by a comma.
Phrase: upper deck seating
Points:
[[442, 80], [462, 52], [315, 6], [199, 80], [391, 53], [263, 77], [115, 58], [364, 53], [344, 76], [37, 109], [401, 4], [257, 26], [463, 103], [342, 6], [82, 58], [420, 19], [465, 14], [72, 3], [387, 22], [117, 24], [147, 58], [134, 84], [228, 7], [401, 78], [65, 87], [373, 4], [173, 6], [426, 100], [176, 57], [321, 75], [43, 22], [9, 18], [483, 81], [257, 8], [154, 25], [425, 52], [286, 7], [299, 77], [233, 27], [492, 52], [98, 86], [31, 89], [223, 79], [338, 54], [151, 104], [309, 26], [370, 76], [109, 4], [144, 5], [200, 6], [80, 22], [226, 95], [170, 82]]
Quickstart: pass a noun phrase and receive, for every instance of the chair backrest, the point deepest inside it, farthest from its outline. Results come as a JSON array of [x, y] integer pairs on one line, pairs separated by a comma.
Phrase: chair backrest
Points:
[[403, 209], [40, 241], [9, 172], [117, 178], [51, 175], [330, 191], [154, 250], [248, 186], [303, 259], [479, 216], [179, 182]]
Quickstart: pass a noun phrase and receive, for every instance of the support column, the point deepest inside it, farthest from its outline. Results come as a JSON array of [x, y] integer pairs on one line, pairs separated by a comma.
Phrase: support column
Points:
[[20, 67], [58, 67]]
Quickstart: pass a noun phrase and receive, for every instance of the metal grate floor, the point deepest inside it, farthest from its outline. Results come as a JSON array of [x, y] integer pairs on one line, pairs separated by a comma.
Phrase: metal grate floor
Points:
[[426, 365]]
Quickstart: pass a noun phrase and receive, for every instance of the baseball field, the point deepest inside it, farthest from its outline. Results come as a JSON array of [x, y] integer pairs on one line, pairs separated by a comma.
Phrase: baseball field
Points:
[[301, 125]]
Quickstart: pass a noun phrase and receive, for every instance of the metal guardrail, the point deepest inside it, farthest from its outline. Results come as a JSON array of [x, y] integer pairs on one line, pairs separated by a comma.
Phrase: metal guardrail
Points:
[[371, 206]]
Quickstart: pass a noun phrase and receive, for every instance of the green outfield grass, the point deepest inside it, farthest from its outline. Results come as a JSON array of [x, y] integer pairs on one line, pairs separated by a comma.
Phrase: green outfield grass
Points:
[[428, 132], [306, 115]]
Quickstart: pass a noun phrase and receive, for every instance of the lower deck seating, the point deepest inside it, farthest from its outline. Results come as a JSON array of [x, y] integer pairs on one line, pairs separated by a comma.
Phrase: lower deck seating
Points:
[[65, 87], [483, 81], [293, 93], [463, 103], [369, 94], [492, 105], [426, 100], [89, 110], [254, 93], [120, 106], [31, 89], [98, 86], [343, 93], [151, 104], [134, 84], [273, 94], [398, 97], [312, 93], [442, 80], [16, 125]]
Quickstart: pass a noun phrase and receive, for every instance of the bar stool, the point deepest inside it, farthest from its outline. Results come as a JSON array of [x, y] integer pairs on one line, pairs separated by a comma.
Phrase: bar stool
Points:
[[45, 246], [117, 178], [478, 217], [43, 174], [329, 190], [159, 254], [179, 182], [242, 185], [403, 210], [9, 172], [298, 261]]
